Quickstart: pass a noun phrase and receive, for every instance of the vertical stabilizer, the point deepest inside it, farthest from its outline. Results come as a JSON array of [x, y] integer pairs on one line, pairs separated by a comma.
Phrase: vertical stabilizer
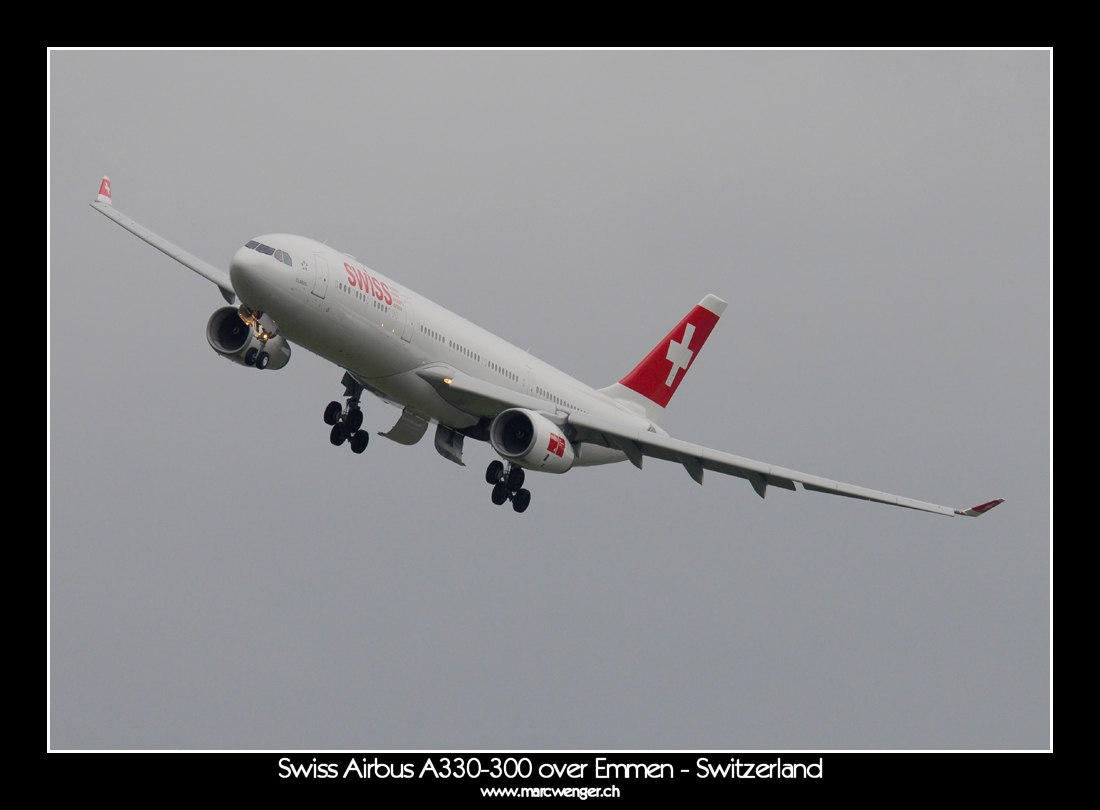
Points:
[[651, 384]]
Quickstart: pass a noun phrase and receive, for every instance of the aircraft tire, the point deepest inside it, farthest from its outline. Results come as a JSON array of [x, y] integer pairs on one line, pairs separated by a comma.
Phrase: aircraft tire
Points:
[[521, 500], [262, 359], [337, 436], [359, 441], [493, 472], [250, 356], [515, 480], [354, 421], [332, 413], [500, 494]]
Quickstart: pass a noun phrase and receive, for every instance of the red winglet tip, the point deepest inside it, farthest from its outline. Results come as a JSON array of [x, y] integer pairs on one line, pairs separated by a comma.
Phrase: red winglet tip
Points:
[[981, 508]]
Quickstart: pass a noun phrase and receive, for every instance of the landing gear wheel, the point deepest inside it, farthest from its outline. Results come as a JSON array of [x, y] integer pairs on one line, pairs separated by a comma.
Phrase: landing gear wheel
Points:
[[500, 494], [250, 356], [262, 359], [521, 500], [494, 472], [354, 421], [515, 481], [332, 413], [359, 441], [337, 436]]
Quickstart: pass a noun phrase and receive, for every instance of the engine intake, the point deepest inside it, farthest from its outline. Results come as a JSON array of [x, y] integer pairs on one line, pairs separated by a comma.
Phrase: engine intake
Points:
[[531, 440], [235, 340]]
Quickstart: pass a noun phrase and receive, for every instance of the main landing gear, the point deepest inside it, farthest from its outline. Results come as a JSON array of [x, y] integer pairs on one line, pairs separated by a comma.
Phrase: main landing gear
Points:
[[347, 422], [508, 486]]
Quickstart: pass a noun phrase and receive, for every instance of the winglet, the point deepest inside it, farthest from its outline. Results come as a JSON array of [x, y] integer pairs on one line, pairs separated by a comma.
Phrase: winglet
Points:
[[980, 509], [104, 195]]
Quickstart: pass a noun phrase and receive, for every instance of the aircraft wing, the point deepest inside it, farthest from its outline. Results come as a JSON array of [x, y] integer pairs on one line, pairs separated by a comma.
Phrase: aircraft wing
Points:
[[103, 205], [695, 459], [481, 398]]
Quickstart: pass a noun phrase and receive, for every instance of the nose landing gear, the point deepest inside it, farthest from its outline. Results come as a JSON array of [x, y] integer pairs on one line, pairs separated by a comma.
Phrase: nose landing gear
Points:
[[346, 421], [508, 485], [256, 357]]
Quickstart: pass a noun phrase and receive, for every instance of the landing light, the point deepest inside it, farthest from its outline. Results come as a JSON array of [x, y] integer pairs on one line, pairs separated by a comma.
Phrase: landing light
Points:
[[446, 380]]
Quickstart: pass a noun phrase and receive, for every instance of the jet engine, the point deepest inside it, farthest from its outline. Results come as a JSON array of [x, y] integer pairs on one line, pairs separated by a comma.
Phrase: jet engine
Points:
[[236, 340], [531, 440]]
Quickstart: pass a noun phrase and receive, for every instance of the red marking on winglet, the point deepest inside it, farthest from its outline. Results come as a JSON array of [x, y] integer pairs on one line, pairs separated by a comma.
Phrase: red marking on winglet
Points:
[[651, 377], [980, 509], [105, 188]]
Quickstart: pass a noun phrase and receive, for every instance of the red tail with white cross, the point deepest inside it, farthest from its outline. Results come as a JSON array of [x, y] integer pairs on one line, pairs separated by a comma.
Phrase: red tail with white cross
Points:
[[654, 380]]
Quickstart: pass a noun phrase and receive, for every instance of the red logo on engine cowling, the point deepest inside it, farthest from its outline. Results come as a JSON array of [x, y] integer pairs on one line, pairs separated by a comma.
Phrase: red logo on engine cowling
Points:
[[557, 445]]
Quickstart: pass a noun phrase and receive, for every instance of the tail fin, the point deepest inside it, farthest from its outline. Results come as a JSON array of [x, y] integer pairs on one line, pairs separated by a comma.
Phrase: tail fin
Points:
[[653, 381]]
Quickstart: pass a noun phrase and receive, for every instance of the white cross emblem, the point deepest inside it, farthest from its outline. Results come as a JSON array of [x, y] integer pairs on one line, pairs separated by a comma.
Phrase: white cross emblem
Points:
[[679, 353]]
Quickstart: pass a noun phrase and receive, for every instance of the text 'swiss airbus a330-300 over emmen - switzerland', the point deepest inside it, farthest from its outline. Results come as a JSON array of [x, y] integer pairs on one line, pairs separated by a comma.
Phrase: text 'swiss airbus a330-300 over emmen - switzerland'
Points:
[[439, 367]]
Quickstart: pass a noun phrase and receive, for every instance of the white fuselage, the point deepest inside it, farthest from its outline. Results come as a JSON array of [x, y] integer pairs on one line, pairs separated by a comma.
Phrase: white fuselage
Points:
[[421, 357], [382, 333]]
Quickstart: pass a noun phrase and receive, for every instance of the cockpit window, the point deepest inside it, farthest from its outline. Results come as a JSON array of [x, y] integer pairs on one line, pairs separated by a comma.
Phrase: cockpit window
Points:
[[280, 255]]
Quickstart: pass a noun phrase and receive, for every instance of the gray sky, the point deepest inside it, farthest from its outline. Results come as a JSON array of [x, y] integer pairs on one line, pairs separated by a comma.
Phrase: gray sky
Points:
[[222, 577]]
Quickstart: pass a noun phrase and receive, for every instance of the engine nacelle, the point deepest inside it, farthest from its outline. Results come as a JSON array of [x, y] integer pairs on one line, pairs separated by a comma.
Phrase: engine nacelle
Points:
[[531, 440], [234, 339]]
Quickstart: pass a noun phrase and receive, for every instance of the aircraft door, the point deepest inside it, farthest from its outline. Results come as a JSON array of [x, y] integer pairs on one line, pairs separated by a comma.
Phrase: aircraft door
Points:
[[320, 278], [407, 332]]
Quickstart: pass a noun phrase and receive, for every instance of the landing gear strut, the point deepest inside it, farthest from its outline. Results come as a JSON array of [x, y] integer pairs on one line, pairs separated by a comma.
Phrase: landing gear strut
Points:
[[346, 420], [256, 357], [508, 485]]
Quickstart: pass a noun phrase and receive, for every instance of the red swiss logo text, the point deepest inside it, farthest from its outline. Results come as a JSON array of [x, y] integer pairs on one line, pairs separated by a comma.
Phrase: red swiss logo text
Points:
[[371, 286]]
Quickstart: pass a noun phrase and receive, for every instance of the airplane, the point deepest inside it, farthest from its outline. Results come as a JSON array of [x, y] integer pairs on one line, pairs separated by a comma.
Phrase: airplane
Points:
[[440, 368]]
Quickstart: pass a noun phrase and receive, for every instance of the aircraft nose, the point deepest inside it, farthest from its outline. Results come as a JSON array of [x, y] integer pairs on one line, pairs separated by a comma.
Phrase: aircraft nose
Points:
[[244, 272], [254, 275]]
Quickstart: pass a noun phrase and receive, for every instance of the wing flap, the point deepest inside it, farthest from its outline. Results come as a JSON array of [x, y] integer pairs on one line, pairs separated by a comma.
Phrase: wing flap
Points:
[[410, 428]]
